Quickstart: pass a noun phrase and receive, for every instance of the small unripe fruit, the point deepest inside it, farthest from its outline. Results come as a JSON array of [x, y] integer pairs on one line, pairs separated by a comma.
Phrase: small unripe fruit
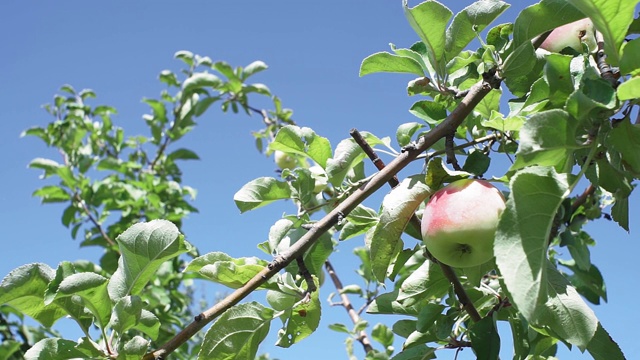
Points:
[[320, 178], [571, 35], [460, 220], [284, 161]]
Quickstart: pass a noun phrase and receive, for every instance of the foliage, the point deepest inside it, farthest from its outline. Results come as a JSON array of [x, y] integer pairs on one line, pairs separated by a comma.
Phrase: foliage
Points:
[[569, 120]]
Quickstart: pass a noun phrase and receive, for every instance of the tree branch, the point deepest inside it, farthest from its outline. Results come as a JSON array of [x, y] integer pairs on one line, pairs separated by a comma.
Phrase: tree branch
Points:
[[457, 116], [363, 338]]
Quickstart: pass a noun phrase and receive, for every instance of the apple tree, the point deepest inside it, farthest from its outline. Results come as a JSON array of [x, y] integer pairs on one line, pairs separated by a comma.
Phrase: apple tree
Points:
[[570, 132]]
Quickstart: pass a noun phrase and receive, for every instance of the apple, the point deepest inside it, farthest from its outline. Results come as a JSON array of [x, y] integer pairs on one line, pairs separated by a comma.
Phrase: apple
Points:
[[284, 160], [320, 178], [459, 222], [571, 35]]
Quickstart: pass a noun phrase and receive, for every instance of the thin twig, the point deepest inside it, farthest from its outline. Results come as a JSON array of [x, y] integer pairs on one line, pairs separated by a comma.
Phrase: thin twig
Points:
[[457, 116], [93, 220], [415, 222], [477, 141], [449, 147], [306, 275], [363, 338]]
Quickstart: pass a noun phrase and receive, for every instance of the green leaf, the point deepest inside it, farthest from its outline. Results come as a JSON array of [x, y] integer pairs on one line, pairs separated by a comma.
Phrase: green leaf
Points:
[[24, 288], [547, 138], [397, 208], [477, 163], [237, 333], [612, 18], [405, 132], [49, 166], [421, 352], [630, 55], [428, 316], [589, 283], [558, 76], [430, 111], [629, 89], [429, 20], [382, 334], [347, 155], [469, 22], [485, 340], [253, 68], [260, 192], [543, 16], [564, 313], [386, 62], [521, 239], [359, 221], [200, 80], [183, 154], [92, 289], [521, 69], [223, 269], [52, 193], [302, 141], [126, 313], [437, 174], [54, 349], [602, 346], [625, 138], [143, 248], [389, 304], [426, 282], [302, 321], [133, 349]]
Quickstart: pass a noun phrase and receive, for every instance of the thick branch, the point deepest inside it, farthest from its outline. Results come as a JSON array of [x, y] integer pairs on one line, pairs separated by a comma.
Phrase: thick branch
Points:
[[476, 93], [363, 338]]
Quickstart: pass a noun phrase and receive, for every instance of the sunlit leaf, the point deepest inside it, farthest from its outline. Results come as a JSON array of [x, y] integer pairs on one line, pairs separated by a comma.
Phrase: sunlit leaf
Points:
[[386, 62], [260, 192], [302, 141], [54, 349]]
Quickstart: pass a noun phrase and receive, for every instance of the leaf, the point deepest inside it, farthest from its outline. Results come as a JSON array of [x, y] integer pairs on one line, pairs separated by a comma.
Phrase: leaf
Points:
[[629, 89], [612, 18], [183, 154], [419, 352], [260, 192], [223, 269], [386, 62], [469, 22], [430, 111], [126, 313], [602, 346], [253, 68], [405, 132], [625, 138], [543, 16], [92, 289], [485, 340], [429, 20], [547, 138], [49, 166], [52, 193], [565, 313], [54, 349], [359, 221], [24, 287], [388, 304], [426, 282], [347, 155], [521, 239], [302, 141], [521, 69], [198, 81], [558, 76], [303, 320], [143, 248], [237, 333], [630, 53], [397, 208]]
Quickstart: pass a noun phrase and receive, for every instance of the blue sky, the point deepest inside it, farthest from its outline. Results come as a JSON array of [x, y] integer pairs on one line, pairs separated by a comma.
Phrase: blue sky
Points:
[[314, 51]]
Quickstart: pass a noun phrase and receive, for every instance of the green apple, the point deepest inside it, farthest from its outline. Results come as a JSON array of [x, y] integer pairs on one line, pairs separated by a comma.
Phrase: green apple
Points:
[[284, 160], [320, 178], [571, 35], [459, 222]]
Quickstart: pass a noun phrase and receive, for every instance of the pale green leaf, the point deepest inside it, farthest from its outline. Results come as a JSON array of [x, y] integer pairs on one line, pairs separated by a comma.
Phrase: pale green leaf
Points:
[[237, 334], [469, 22], [143, 248], [629, 89], [522, 236], [260, 192], [386, 62], [397, 208], [302, 321], [429, 20], [54, 349], [302, 141], [602, 346], [347, 155]]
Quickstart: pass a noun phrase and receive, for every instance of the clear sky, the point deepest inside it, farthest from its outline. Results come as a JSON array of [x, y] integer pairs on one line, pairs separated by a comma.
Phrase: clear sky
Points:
[[314, 50]]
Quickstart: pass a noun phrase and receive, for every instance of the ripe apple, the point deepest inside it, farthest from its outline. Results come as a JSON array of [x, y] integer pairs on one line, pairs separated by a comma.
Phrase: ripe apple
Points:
[[571, 35], [284, 160], [459, 222]]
